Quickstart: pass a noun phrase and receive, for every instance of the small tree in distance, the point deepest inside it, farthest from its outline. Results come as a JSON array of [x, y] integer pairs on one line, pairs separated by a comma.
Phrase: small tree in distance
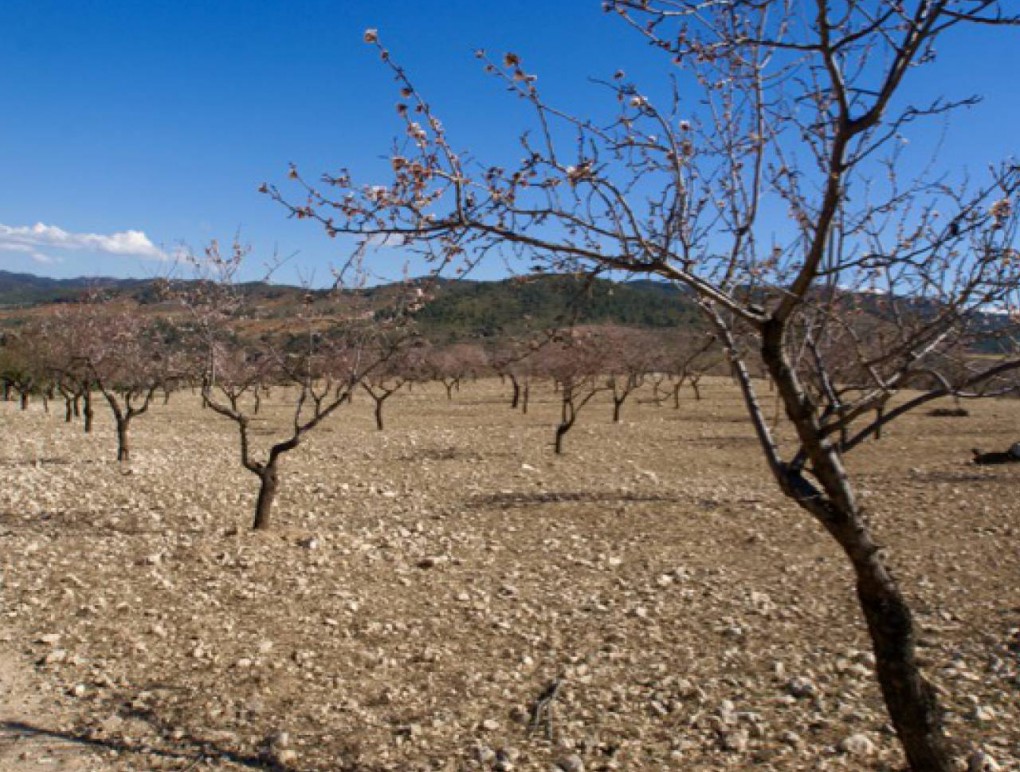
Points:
[[575, 362], [316, 371], [105, 345], [791, 109]]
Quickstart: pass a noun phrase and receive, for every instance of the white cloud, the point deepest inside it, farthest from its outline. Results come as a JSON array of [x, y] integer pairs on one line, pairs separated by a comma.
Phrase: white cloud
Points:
[[32, 252], [31, 238]]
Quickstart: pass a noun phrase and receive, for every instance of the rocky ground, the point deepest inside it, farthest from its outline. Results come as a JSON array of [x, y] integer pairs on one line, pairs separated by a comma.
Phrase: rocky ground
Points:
[[424, 585]]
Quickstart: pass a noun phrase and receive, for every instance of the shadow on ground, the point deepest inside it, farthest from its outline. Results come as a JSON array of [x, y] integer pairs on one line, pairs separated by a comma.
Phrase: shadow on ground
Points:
[[190, 751]]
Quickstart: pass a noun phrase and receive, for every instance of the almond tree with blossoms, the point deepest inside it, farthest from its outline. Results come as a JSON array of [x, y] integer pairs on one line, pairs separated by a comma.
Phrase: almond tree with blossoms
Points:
[[789, 107]]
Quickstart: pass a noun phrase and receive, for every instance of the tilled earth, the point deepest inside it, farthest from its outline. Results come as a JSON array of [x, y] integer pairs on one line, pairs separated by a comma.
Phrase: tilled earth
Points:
[[422, 586]]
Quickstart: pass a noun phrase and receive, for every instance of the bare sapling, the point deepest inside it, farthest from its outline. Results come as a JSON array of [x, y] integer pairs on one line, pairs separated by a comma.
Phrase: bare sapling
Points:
[[575, 362], [312, 373]]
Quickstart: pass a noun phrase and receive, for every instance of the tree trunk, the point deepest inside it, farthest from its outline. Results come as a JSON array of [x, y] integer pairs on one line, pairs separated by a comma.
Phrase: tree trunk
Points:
[[267, 494], [378, 414], [561, 430], [123, 446], [617, 405], [89, 413], [24, 400], [68, 410], [568, 414], [516, 398], [909, 697]]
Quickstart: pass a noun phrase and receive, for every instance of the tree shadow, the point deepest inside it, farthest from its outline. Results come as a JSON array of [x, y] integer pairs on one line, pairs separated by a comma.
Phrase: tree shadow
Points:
[[50, 461], [522, 499], [190, 751], [67, 524]]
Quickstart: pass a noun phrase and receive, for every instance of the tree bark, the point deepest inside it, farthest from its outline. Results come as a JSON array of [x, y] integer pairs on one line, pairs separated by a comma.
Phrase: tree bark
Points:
[[123, 445], [909, 697], [561, 431], [270, 481], [88, 412]]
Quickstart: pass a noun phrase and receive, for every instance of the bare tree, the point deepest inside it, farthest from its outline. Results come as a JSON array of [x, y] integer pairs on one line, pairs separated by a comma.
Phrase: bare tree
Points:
[[685, 360], [788, 110], [629, 357], [22, 368], [512, 359], [575, 361], [115, 350], [400, 366], [317, 370], [451, 364]]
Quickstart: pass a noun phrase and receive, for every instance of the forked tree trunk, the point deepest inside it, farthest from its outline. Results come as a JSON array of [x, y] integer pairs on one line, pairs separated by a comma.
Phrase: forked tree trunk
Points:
[[269, 483]]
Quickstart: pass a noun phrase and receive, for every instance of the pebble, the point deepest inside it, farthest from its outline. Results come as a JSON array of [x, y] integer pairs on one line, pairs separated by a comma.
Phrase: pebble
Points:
[[857, 745], [801, 687], [979, 761], [571, 763]]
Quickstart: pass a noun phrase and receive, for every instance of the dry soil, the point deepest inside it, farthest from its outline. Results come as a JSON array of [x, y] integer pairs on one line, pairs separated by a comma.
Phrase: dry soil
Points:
[[424, 585]]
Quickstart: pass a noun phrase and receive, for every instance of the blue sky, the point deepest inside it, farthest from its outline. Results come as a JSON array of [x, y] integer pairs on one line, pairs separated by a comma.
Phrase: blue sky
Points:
[[132, 127]]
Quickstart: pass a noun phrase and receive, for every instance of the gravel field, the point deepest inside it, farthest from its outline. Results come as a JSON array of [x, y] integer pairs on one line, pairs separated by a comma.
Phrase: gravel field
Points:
[[424, 585]]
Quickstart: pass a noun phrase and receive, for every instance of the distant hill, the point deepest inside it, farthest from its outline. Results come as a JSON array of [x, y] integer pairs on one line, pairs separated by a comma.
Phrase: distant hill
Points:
[[26, 289], [458, 309], [466, 309]]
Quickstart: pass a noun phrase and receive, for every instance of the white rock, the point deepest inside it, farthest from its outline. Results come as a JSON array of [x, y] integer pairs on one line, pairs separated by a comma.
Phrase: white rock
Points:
[[572, 763], [285, 757], [801, 687], [983, 713], [857, 745]]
